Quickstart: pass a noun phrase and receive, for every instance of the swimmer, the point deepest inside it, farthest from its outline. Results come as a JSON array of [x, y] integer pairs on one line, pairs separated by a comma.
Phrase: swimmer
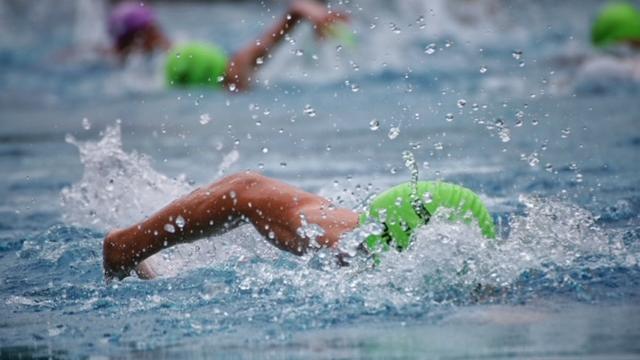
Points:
[[134, 28], [277, 211], [617, 23]]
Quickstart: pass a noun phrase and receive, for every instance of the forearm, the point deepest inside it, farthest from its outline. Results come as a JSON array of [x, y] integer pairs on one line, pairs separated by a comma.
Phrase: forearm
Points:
[[196, 215], [244, 62], [274, 35]]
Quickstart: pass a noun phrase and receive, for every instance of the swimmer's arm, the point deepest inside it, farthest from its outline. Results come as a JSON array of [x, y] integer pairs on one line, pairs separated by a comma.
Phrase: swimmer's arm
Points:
[[245, 62]]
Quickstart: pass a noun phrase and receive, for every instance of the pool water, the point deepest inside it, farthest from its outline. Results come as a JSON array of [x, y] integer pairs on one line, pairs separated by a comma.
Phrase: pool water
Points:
[[506, 102]]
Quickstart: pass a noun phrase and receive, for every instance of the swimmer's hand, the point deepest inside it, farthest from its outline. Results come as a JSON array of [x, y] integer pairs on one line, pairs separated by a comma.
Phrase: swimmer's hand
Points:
[[117, 265], [145, 271], [319, 15]]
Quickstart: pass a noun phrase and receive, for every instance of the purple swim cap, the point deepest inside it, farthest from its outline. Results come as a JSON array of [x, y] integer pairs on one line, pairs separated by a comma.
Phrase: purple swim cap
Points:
[[127, 18]]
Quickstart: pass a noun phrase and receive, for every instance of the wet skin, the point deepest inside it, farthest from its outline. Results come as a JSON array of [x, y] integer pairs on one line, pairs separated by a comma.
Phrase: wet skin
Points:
[[276, 209]]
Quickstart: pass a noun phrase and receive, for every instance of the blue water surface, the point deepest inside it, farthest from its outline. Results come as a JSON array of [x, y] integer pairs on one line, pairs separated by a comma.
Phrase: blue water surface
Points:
[[506, 98]]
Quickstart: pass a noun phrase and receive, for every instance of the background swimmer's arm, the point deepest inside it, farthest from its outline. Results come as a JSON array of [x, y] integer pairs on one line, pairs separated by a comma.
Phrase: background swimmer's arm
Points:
[[244, 63]]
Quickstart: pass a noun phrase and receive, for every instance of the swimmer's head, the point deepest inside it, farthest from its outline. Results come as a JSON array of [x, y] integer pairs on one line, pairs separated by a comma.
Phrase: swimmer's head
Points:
[[616, 23], [196, 64], [401, 212], [133, 25]]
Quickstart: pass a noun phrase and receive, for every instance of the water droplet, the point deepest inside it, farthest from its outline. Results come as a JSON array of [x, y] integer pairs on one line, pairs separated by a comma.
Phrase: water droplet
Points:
[[309, 111], [355, 87], [394, 28], [393, 132], [338, 48], [430, 49], [86, 124], [374, 125], [548, 167], [258, 123], [578, 178], [169, 228], [475, 107], [427, 198], [299, 52], [565, 133], [259, 60], [232, 87], [180, 222], [505, 135], [283, 164], [519, 118], [438, 146], [245, 284], [328, 147], [205, 119], [461, 103], [483, 69], [265, 150], [398, 201], [517, 54], [449, 117]]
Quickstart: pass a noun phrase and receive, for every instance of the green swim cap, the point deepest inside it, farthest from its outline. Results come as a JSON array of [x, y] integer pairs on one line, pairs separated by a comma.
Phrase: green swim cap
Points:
[[615, 23], [196, 64], [400, 217], [343, 34]]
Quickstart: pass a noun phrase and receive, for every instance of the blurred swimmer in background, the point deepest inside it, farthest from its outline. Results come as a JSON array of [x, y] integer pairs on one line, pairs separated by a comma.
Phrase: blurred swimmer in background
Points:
[[133, 28], [615, 63], [617, 24], [616, 34]]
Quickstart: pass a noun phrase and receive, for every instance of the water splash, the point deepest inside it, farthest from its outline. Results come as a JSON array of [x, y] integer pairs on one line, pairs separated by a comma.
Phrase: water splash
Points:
[[447, 262], [118, 188], [115, 186], [410, 164]]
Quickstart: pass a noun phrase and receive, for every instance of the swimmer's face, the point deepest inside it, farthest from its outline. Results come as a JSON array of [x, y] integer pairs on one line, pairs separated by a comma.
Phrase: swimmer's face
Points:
[[153, 39], [147, 40]]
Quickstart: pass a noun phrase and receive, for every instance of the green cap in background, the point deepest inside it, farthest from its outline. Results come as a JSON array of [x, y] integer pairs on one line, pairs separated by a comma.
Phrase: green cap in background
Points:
[[617, 22], [196, 64]]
